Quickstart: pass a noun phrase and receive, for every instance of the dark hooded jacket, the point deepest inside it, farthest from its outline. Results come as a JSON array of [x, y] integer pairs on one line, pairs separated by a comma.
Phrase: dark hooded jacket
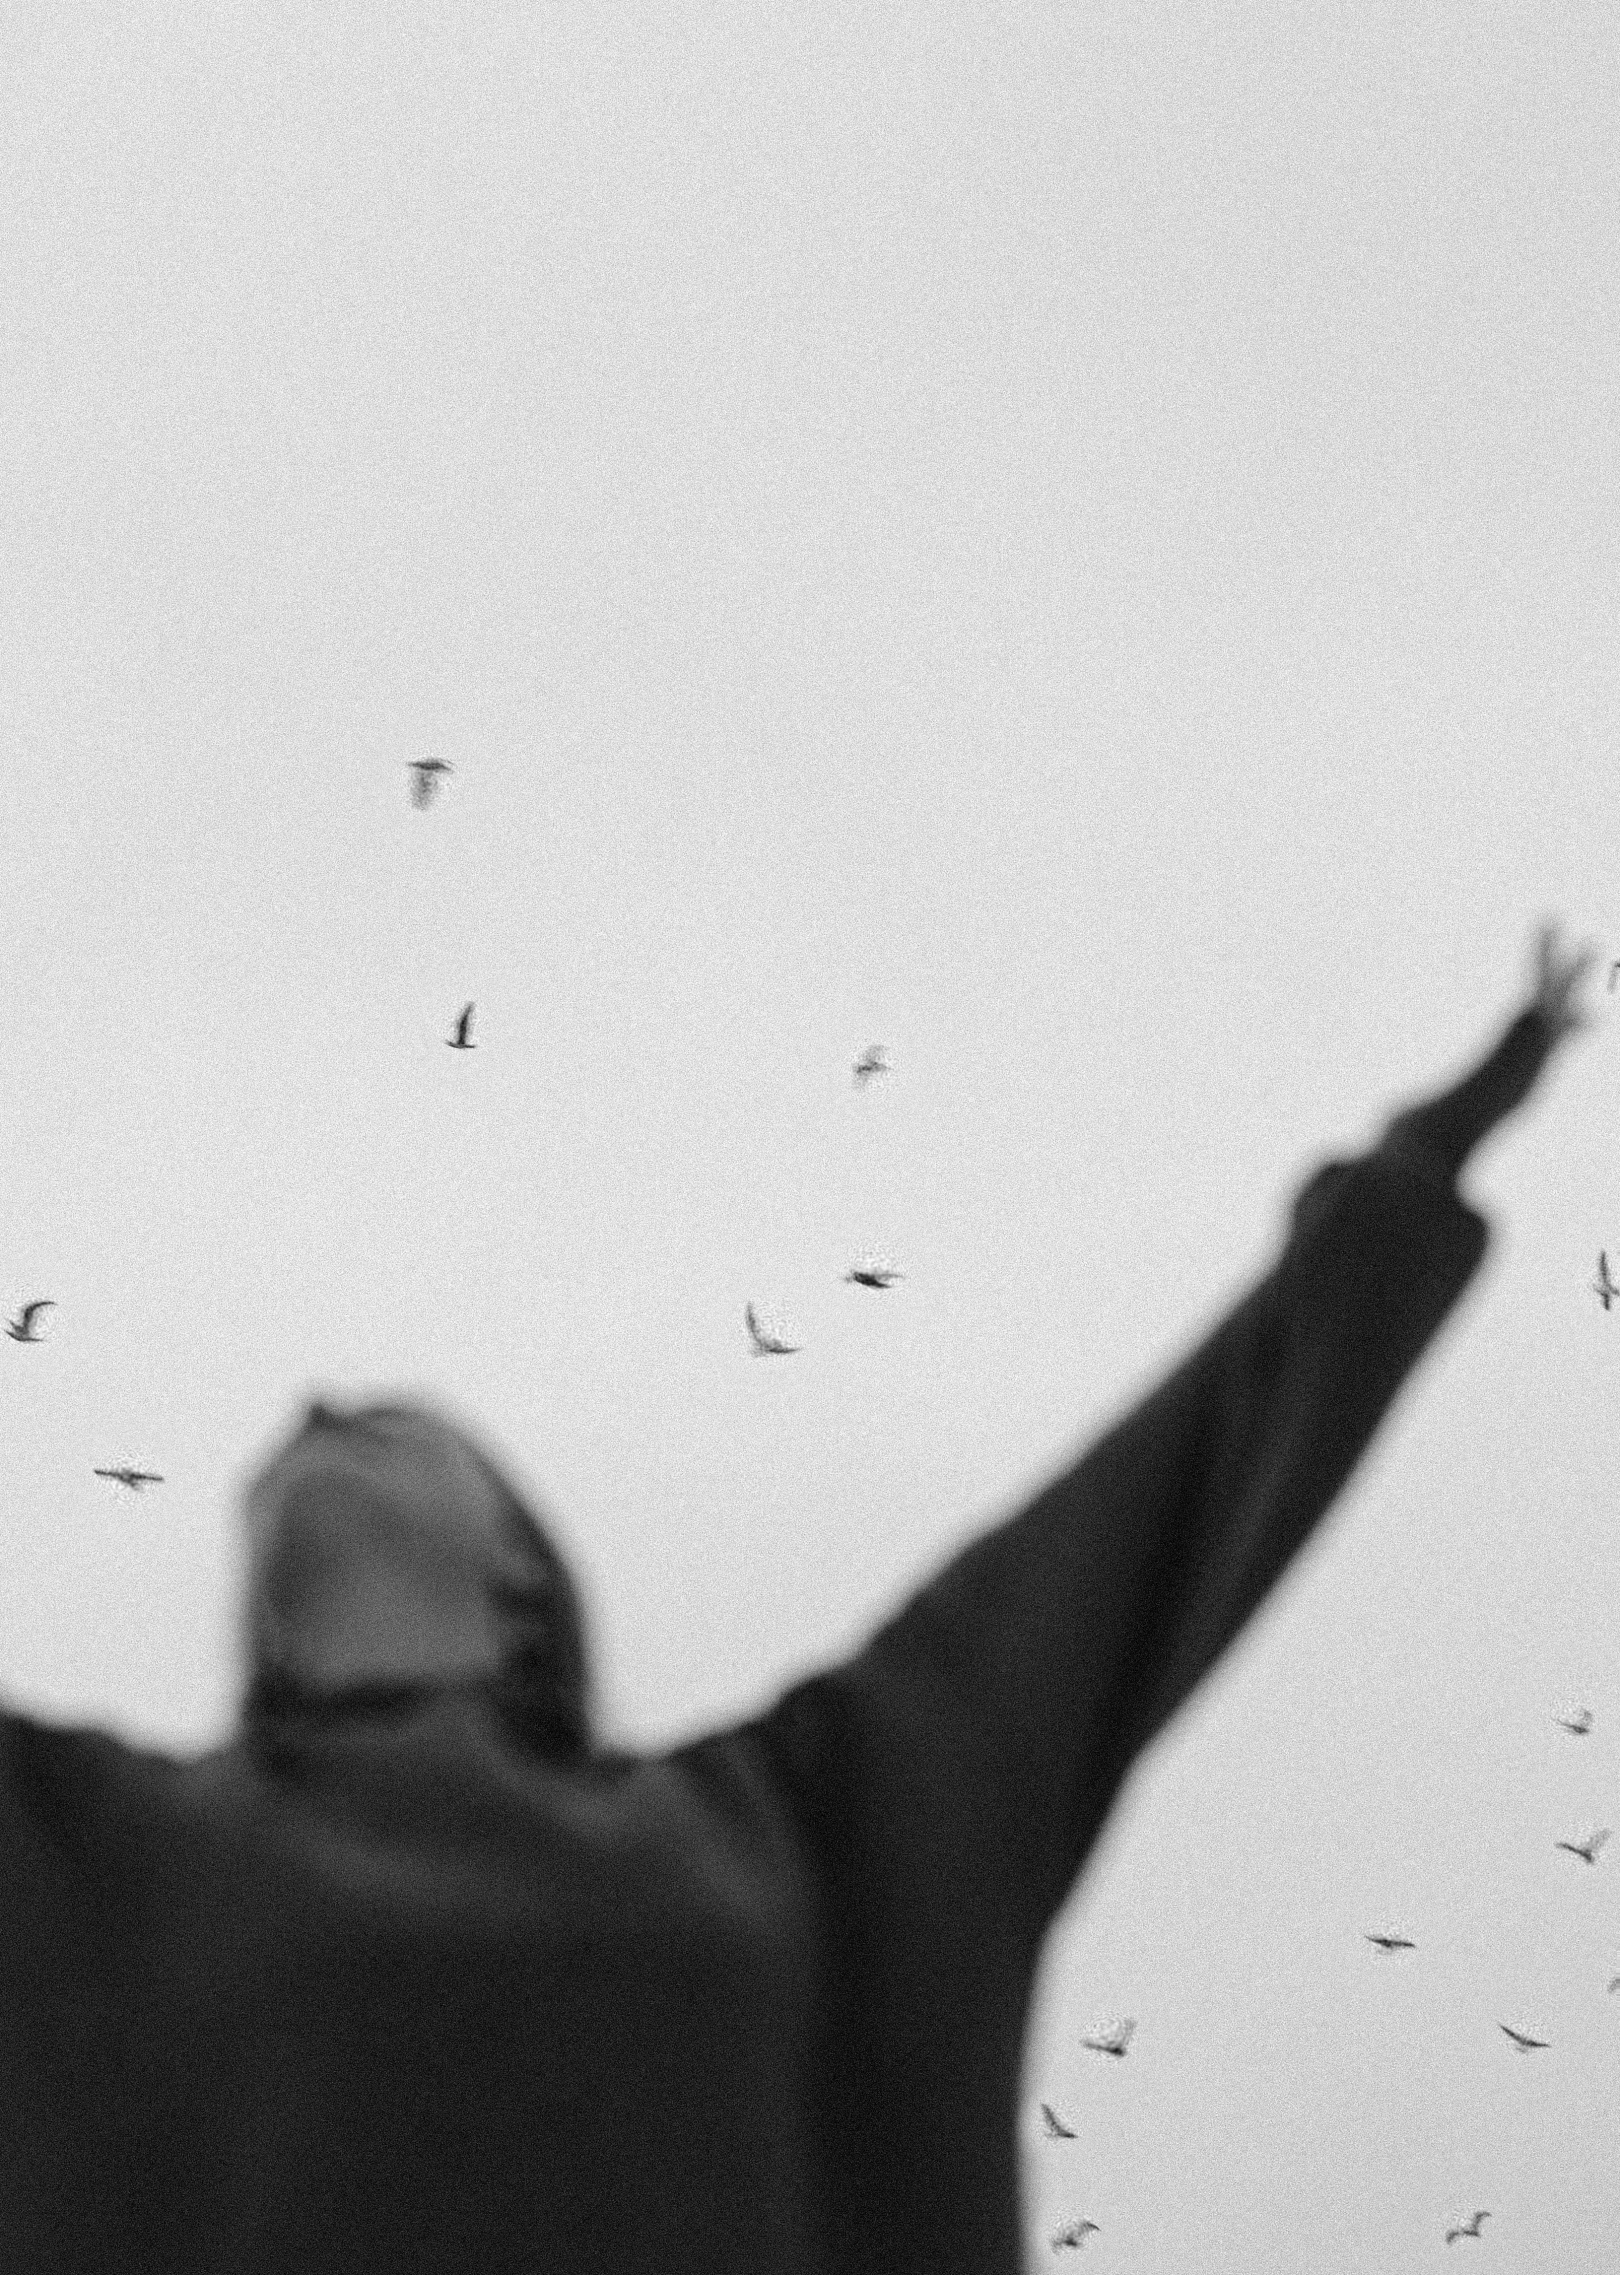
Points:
[[397, 1986]]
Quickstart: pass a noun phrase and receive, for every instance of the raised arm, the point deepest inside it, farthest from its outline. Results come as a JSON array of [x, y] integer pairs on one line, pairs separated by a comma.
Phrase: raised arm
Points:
[[1437, 1136], [987, 1727]]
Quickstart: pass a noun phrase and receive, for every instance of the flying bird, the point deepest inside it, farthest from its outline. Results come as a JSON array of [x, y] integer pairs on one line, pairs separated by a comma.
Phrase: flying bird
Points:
[[1111, 2042], [458, 1041], [1393, 1942], [1615, 1985], [424, 773], [1472, 2229], [873, 1060], [1524, 2045], [766, 1346], [21, 1329], [1613, 968], [133, 1478], [1075, 2235], [1581, 1724], [1603, 1287], [873, 1276], [1056, 2130], [1587, 1848]]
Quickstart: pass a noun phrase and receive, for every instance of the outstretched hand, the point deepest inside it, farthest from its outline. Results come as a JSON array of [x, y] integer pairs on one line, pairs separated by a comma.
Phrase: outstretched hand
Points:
[[1555, 979], [1443, 1131]]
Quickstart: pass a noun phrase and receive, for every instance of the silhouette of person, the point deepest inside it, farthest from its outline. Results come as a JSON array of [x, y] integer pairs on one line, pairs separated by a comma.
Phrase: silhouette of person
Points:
[[413, 1974]]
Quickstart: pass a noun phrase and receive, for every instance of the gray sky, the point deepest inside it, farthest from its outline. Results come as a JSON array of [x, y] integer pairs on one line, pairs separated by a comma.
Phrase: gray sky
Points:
[[1077, 541]]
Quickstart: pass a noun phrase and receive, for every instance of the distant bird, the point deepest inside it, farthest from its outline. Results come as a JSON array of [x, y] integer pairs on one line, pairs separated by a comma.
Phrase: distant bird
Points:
[[423, 778], [1581, 1724], [1472, 2228], [21, 1329], [1393, 1942], [1587, 1848], [1524, 2045], [458, 1041], [873, 1276], [1615, 1985], [1603, 1287], [873, 1060], [1056, 2130], [1613, 968], [1111, 2042], [133, 1478], [1075, 2235], [766, 1346]]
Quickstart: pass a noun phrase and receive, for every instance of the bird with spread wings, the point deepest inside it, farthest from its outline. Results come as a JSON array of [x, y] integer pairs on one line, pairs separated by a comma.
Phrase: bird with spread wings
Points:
[[1471, 2229], [133, 1478], [766, 1346], [1588, 1848], [873, 1275], [21, 1329]]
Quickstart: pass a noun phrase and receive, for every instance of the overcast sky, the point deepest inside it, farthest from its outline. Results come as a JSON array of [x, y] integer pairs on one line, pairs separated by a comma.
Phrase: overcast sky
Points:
[[1078, 541]]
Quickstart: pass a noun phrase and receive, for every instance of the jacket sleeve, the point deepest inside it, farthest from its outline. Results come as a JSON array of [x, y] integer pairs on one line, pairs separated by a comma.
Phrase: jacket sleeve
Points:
[[54, 1956], [996, 1715]]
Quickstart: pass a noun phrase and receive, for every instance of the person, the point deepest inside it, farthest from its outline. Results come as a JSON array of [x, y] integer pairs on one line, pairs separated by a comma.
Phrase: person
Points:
[[414, 1974]]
